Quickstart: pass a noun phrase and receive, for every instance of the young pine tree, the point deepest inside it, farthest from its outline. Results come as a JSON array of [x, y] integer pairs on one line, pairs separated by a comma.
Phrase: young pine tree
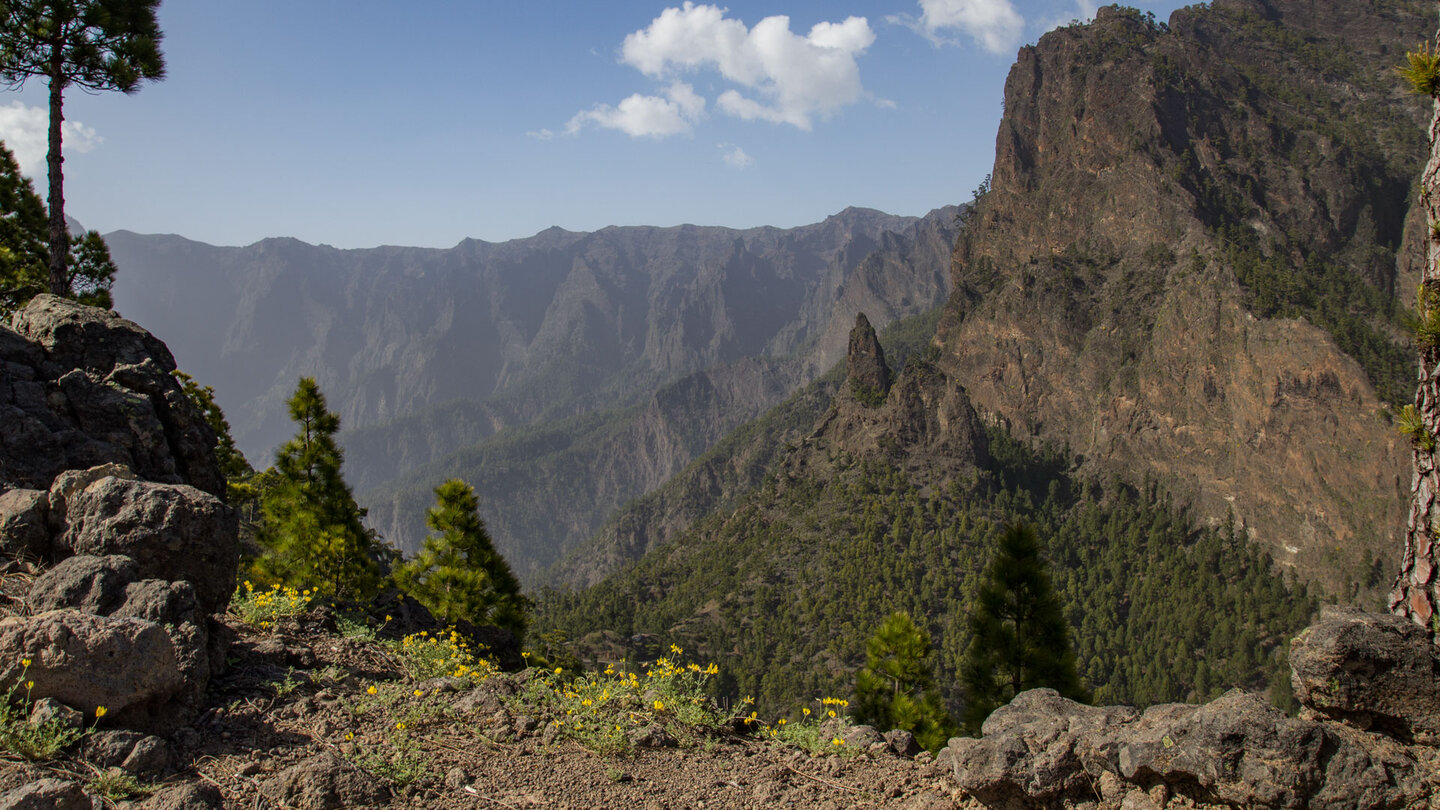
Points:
[[310, 533], [458, 575], [1019, 639], [896, 688]]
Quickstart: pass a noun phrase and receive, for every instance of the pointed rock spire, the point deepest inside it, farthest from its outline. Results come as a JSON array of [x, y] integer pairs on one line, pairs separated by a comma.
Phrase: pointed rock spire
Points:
[[866, 372]]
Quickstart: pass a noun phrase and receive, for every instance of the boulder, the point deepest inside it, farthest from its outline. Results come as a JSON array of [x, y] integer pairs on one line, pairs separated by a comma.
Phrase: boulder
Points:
[[172, 532], [81, 386], [86, 661], [48, 794], [1374, 671], [24, 515], [323, 782], [186, 796], [84, 582]]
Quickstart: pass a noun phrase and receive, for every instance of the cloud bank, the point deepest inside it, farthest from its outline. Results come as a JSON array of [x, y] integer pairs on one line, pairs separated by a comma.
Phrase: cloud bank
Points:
[[780, 76], [25, 132], [994, 25]]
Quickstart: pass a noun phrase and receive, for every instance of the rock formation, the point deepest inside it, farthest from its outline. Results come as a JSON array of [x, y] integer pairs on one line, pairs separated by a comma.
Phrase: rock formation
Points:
[[109, 490], [1100, 300], [1368, 687], [866, 373]]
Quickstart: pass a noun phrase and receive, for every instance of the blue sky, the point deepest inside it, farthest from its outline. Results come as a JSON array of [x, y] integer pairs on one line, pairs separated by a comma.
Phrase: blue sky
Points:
[[370, 122]]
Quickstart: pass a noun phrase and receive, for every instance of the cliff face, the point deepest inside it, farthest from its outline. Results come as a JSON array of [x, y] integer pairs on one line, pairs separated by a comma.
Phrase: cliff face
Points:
[[1155, 189]]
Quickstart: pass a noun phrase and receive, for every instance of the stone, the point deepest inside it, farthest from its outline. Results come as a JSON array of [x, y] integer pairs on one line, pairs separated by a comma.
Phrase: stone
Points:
[[1374, 671], [24, 530], [136, 753], [651, 736], [48, 794], [861, 738], [902, 742], [173, 532], [324, 782], [186, 796], [87, 661], [84, 582], [50, 710]]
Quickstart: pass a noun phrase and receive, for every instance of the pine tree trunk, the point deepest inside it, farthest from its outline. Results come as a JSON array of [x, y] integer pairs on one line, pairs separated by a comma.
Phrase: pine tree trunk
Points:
[[1416, 593], [59, 236]]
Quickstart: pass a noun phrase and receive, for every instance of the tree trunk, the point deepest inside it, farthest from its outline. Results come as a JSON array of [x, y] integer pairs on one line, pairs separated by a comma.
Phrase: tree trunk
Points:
[[1416, 593], [59, 234]]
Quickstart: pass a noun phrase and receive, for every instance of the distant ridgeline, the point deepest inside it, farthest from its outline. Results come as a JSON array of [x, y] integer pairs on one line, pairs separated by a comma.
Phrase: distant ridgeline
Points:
[[1189, 273]]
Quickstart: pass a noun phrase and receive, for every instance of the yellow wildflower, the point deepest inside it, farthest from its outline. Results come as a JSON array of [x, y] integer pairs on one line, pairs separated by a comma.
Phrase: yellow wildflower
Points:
[[99, 712]]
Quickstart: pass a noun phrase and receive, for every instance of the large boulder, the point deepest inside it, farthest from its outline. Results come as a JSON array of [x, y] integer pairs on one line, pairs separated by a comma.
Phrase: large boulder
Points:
[[81, 386], [1374, 671], [172, 532], [126, 665]]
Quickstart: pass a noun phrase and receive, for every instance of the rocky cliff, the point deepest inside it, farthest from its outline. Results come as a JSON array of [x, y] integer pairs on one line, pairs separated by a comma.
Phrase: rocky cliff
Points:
[[1163, 197]]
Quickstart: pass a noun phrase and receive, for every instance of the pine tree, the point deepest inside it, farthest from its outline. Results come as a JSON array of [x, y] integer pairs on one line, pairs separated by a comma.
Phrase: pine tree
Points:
[[92, 44], [24, 272], [1019, 639], [896, 689], [310, 533], [458, 575], [1416, 592]]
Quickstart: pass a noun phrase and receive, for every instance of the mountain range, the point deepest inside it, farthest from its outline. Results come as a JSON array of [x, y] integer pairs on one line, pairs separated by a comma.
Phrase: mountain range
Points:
[[617, 355]]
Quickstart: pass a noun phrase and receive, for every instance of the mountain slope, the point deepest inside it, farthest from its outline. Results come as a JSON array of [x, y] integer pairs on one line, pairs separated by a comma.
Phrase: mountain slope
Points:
[[1188, 225]]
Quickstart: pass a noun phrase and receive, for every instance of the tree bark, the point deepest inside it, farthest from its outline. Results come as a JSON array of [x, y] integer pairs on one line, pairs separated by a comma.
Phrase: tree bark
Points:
[[59, 233], [1417, 593]]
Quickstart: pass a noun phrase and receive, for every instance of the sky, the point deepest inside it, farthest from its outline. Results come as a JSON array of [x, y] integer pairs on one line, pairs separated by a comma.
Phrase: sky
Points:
[[425, 122]]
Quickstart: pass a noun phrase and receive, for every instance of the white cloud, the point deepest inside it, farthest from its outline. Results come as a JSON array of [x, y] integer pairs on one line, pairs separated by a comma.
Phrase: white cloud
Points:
[[994, 24], [25, 131], [646, 116], [736, 157], [783, 77]]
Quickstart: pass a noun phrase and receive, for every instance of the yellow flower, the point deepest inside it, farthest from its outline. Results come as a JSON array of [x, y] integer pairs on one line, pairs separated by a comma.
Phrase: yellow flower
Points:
[[372, 690], [400, 726], [558, 670], [659, 706], [350, 736], [99, 712], [676, 649], [806, 711], [781, 721], [831, 712], [837, 741], [25, 662], [421, 693], [29, 685]]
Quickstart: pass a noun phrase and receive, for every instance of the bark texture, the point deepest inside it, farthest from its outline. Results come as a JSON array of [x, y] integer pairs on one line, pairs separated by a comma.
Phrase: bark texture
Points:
[[1415, 594]]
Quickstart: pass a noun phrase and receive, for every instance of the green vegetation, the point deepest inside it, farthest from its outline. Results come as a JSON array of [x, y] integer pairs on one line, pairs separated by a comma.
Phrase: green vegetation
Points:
[[1421, 70], [24, 274], [311, 532], [1359, 316], [1018, 636], [896, 689], [92, 44], [787, 585], [458, 576]]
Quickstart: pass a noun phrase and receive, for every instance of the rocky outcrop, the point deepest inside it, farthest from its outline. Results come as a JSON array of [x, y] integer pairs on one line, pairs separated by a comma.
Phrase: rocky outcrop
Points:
[[80, 387], [1102, 301], [866, 373], [110, 491], [1372, 673]]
